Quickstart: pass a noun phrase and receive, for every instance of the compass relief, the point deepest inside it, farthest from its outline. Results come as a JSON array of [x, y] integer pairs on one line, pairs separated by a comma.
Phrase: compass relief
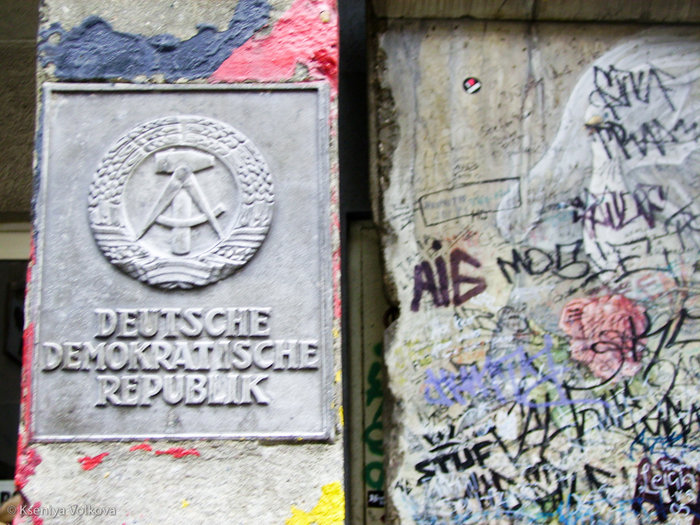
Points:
[[181, 202]]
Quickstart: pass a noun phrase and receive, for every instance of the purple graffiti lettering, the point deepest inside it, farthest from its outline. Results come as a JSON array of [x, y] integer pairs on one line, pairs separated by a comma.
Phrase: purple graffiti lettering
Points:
[[424, 280], [667, 485], [456, 258], [503, 378], [617, 209]]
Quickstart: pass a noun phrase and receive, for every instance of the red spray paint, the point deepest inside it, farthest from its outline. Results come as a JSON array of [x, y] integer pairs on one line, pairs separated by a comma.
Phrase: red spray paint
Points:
[[141, 446], [27, 458], [89, 463], [178, 452], [306, 35]]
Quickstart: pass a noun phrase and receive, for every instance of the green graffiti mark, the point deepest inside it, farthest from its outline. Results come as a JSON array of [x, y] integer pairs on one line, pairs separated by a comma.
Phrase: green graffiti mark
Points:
[[375, 384], [375, 444], [373, 433], [374, 475]]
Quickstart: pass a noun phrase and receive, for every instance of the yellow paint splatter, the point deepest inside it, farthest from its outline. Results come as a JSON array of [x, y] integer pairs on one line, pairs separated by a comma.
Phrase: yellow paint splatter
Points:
[[338, 376], [330, 509], [336, 333], [185, 503], [341, 416]]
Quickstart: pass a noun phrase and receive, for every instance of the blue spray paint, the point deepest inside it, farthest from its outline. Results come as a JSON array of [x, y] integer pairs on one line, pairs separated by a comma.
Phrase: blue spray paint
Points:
[[95, 51]]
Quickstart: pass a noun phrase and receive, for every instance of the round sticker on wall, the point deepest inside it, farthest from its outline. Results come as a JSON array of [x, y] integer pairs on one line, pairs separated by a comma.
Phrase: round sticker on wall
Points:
[[472, 85]]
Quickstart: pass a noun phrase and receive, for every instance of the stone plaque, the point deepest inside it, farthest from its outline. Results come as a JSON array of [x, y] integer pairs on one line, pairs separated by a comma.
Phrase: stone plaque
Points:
[[183, 285]]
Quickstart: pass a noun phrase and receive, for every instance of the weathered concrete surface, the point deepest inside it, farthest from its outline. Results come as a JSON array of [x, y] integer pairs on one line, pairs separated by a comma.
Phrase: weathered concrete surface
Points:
[[95, 49], [199, 481], [178, 18], [530, 181], [159, 16], [543, 10], [17, 109], [18, 22]]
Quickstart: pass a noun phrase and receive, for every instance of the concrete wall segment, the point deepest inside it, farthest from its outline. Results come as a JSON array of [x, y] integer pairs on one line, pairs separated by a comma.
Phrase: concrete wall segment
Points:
[[94, 49], [302, 45], [244, 481], [17, 104], [178, 18], [677, 11], [498, 128], [18, 22]]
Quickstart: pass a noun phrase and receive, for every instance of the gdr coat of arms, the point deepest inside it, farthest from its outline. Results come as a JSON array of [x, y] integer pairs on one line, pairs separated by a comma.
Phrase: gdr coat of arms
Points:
[[181, 202]]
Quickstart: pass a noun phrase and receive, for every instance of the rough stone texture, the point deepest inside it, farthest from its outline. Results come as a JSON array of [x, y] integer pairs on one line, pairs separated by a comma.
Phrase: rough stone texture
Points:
[[225, 482], [537, 240], [553, 10], [179, 18], [95, 49], [18, 22], [200, 481], [17, 109]]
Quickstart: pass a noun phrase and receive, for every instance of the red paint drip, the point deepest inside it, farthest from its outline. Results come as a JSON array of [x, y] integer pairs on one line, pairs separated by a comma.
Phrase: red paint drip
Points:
[[141, 446], [26, 378], [178, 452], [35, 513], [27, 461], [27, 458], [307, 34], [337, 304], [89, 463], [326, 62]]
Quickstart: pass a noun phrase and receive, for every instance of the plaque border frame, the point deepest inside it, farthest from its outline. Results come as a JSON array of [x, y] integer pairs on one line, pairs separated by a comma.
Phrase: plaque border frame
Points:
[[323, 181]]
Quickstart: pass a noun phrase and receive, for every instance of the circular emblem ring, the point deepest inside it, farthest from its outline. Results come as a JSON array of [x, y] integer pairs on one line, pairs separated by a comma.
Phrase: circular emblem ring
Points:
[[181, 202]]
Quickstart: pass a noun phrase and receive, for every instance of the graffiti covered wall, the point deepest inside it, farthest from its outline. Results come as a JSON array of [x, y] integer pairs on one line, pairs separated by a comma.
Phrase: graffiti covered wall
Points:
[[538, 187]]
